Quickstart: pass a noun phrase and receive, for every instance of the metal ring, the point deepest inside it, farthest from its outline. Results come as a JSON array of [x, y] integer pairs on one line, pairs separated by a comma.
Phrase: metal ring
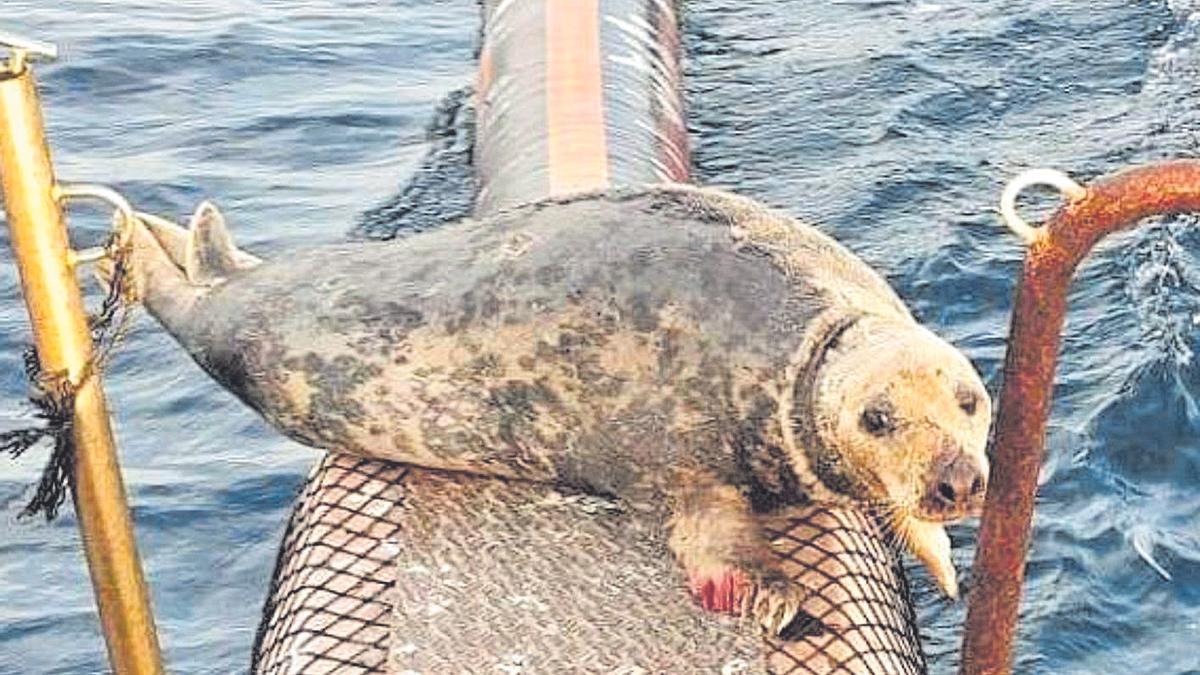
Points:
[[1008, 200], [122, 228]]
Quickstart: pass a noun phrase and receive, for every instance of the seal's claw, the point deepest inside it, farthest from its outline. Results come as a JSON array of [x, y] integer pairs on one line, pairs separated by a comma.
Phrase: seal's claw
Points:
[[769, 597], [776, 602]]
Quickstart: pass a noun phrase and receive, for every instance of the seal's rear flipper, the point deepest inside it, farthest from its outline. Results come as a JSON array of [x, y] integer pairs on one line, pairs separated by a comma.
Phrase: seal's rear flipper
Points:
[[155, 277], [172, 237], [172, 267], [204, 250], [210, 256]]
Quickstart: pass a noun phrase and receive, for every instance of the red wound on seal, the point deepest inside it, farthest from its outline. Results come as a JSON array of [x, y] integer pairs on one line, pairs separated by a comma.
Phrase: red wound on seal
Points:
[[723, 591]]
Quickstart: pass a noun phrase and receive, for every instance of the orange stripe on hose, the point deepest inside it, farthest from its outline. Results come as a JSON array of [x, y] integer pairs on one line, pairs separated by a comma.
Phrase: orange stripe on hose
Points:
[[578, 153], [487, 73]]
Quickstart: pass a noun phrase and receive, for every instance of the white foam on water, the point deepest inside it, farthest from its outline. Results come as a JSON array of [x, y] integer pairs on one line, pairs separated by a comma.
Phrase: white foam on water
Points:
[[1143, 540], [1165, 290], [1163, 276], [1165, 284]]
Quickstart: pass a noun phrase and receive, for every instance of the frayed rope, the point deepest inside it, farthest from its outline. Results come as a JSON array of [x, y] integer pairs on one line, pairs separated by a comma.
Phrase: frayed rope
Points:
[[53, 398]]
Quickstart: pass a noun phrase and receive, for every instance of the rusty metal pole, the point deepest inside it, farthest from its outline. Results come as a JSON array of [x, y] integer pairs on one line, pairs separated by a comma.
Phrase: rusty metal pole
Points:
[[60, 331], [1109, 205]]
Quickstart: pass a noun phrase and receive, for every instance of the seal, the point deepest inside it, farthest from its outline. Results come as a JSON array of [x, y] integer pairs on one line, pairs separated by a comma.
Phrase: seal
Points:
[[684, 349]]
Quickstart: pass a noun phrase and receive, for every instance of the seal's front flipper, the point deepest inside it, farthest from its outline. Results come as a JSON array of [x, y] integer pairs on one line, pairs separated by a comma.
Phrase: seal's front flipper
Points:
[[729, 564], [210, 256]]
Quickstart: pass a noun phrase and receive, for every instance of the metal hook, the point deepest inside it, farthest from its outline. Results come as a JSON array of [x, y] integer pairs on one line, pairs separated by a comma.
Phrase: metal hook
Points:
[[121, 206]]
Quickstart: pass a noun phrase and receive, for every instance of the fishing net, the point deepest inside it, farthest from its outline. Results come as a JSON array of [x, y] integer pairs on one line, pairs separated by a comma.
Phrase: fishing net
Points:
[[386, 569], [329, 608]]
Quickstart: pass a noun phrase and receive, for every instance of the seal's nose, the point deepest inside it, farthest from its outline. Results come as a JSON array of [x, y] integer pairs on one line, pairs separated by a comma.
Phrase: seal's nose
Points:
[[960, 484]]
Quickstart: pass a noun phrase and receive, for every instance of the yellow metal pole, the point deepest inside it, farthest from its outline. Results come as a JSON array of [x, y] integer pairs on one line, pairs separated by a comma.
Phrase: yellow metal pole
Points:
[[60, 331]]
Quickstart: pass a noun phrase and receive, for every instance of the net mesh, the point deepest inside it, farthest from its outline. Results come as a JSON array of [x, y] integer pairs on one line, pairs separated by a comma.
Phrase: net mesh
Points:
[[860, 615], [385, 569], [330, 603]]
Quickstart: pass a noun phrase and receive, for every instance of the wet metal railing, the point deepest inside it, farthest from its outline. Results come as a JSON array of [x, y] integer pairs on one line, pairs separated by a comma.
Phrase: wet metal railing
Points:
[[1055, 251], [32, 201]]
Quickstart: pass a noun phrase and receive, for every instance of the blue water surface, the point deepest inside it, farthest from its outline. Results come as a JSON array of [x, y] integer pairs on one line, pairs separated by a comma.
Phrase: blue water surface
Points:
[[893, 124]]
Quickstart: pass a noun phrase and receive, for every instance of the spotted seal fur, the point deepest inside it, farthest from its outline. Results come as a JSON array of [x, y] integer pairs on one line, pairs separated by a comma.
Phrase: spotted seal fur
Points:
[[684, 349]]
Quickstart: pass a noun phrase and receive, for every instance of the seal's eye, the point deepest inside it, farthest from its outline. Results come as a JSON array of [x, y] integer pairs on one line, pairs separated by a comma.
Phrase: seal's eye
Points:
[[967, 400], [877, 422]]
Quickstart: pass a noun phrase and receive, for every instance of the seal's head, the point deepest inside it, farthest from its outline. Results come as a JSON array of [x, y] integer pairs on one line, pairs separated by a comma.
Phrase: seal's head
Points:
[[890, 416]]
